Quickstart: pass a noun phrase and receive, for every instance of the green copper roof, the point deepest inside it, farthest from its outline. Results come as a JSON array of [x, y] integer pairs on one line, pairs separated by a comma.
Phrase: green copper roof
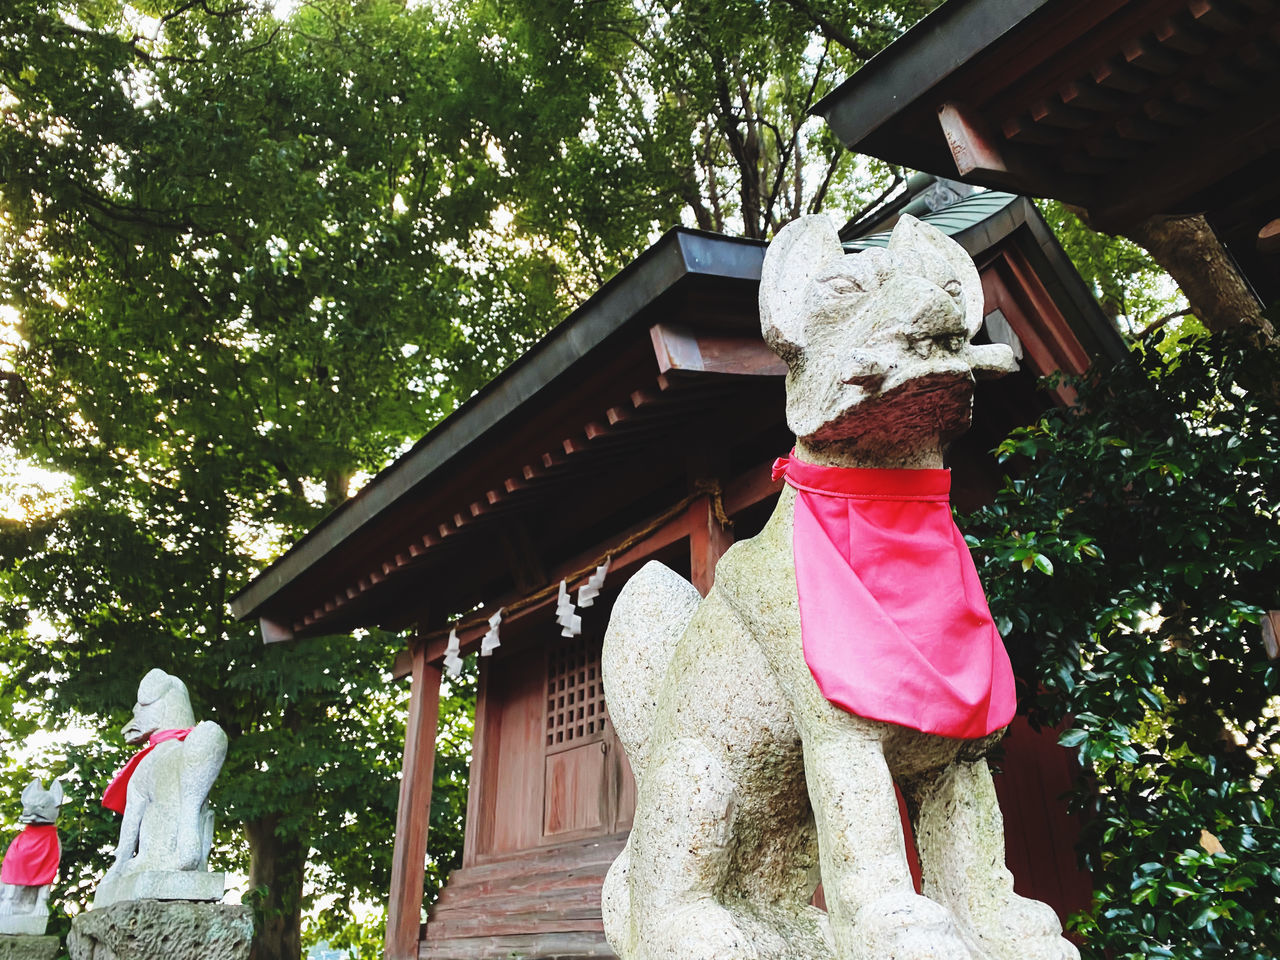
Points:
[[952, 219]]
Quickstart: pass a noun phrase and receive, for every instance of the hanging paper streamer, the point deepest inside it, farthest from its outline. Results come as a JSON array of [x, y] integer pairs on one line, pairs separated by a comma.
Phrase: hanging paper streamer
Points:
[[588, 592], [567, 614], [453, 662], [490, 641]]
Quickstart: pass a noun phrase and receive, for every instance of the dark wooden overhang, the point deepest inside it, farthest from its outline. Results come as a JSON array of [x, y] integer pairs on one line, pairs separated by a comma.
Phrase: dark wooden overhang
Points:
[[421, 534], [590, 436], [1129, 108]]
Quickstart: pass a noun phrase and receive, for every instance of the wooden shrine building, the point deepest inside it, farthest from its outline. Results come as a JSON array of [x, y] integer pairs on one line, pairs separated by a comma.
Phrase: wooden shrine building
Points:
[[642, 427], [1127, 108]]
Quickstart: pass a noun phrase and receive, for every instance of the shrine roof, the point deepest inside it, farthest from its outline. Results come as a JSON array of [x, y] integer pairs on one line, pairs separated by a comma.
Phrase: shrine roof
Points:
[[589, 433], [679, 262], [1128, 108]]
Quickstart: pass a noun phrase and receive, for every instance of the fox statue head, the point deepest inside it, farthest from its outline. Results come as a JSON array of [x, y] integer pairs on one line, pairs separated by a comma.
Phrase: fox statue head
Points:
[[41, 806], [877, 343], [163, 704]]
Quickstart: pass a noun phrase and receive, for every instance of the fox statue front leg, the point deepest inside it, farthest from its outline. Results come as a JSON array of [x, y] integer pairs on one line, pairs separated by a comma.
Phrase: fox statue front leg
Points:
[[960, 833], [720, 862]]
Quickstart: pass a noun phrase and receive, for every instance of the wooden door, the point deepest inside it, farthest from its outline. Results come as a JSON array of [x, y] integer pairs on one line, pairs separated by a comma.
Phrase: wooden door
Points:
[[582, 766]]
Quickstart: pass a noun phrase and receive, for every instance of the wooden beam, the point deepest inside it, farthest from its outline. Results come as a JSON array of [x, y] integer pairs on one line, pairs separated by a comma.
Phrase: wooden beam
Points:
[[1269, 238], [480, 750], [973, 149], [1011, 286], [750, 487], [645, 398], [402, 665], [708, 541], [1271, 633], [619, 415], [1226, 141], [273, 632], [469, 637], [683, 350], [409, 855]]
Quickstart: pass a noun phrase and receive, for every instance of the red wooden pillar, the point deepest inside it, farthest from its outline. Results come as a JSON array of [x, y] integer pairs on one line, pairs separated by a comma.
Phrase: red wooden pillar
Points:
[[409, 857], [708, 541]]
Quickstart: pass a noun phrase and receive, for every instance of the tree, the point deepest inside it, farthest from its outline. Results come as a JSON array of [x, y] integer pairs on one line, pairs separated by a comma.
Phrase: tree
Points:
[[1128, 566], [628, 116], [1190, 252], [245, 261]]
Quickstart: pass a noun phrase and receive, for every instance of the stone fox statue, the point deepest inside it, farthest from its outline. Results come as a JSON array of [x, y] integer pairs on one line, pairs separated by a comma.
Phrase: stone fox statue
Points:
[[163, 791], [846, 647], [31, 862]]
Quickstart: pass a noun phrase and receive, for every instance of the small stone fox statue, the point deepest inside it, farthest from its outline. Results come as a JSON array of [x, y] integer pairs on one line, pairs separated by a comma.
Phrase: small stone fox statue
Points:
[[31, 862], [163, 795]]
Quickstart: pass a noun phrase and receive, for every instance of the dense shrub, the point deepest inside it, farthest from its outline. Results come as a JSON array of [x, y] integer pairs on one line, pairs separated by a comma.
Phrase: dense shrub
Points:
[[1129, 563]]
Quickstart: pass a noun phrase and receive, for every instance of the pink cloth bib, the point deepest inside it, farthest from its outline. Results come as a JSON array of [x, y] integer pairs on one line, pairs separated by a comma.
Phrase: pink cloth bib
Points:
[[32, 858], [117, 792], [893, 619]]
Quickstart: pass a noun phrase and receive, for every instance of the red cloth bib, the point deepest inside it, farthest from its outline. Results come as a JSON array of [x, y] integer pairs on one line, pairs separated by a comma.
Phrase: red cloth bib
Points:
[[893, 619], [32, 858], [117, 792]]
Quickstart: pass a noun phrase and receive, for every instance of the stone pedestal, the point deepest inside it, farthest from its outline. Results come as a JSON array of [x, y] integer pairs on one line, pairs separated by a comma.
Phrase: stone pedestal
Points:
[[162, 930], [28, 948], [160, 885], [24, 924]]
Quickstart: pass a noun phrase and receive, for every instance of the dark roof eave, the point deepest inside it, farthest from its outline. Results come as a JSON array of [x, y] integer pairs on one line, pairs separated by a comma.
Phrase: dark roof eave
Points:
[[912, 65], [677, 254]]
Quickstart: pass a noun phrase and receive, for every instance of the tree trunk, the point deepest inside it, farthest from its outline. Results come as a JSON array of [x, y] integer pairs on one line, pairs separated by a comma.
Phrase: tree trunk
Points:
[[1188, 250], [276, 867]]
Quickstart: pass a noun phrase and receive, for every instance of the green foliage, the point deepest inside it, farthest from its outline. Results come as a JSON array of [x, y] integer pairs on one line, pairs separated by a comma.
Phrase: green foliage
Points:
[[230, 249], [1134, 292], [630, 116], [1128, 567]]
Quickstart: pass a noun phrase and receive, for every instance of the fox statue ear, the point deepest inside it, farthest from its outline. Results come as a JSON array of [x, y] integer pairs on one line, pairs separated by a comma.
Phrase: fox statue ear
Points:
[[32, 789], [797, 254], [928, 252], [55, 790], [154, 686]]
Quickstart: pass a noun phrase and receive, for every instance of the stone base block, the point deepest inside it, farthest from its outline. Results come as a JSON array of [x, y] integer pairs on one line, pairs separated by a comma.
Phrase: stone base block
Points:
[[161, 885], [28, 948], [25, 924], [162, 930]]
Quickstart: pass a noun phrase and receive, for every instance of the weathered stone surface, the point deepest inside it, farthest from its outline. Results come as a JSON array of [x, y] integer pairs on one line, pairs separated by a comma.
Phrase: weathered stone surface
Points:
[[648, 621], [27, 925], [28, 947], [162, 885], [156, 930], [751, 786], [167, 826]]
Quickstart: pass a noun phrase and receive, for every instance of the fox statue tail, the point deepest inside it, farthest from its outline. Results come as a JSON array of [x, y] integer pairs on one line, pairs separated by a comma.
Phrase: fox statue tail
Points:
[[648, 619]]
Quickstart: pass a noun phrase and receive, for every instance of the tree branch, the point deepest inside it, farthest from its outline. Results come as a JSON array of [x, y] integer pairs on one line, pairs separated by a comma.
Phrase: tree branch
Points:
[[1157, 325]]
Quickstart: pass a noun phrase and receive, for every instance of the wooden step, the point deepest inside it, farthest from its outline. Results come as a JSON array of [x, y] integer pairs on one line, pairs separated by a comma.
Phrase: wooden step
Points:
[[500, 887], [579, 903], [489, 927], [578, 855], [579, 945]]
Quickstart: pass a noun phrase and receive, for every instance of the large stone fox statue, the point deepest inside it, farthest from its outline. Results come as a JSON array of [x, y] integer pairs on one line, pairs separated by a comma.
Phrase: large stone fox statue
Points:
[[846, 647]]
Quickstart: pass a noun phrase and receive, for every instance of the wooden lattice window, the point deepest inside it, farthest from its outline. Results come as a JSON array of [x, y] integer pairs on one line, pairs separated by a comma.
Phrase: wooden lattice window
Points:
[[575, 696]]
